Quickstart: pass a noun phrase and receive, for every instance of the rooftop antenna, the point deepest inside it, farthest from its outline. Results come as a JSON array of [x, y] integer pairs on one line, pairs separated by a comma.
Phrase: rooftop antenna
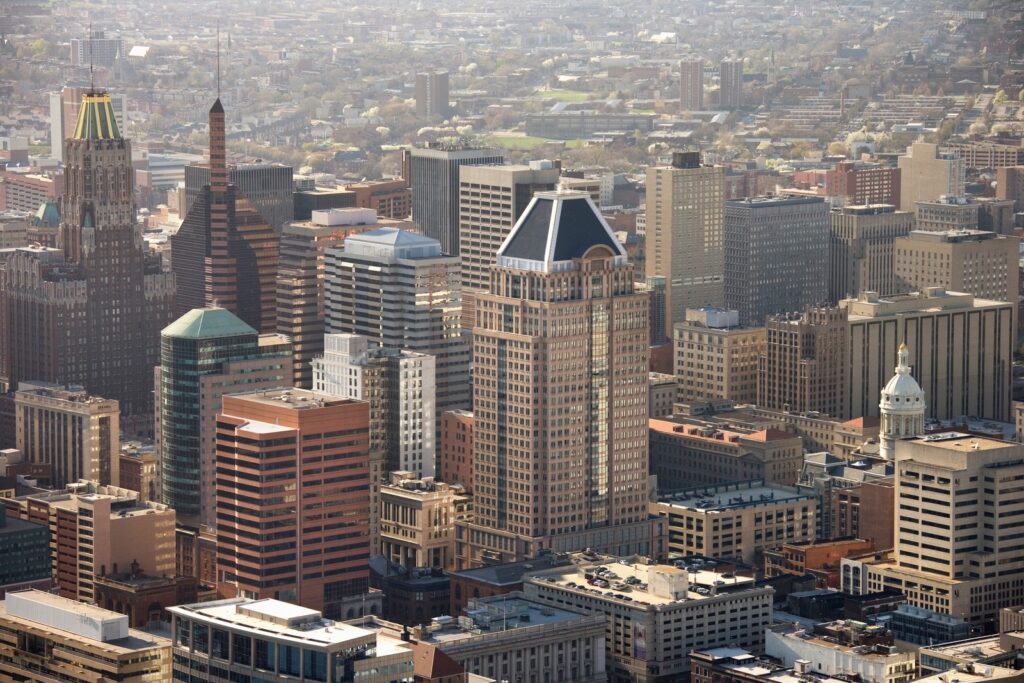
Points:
[[92, 80], [218, 59]]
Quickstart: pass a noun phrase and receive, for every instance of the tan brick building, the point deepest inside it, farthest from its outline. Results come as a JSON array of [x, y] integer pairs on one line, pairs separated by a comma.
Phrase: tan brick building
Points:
[[717, 358]]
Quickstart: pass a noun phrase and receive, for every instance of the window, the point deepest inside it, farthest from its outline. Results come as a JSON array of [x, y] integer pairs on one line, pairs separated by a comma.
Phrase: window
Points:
[[315, 665], [264, 655], [288, 660], [201, 632], [220, 644], [242, 649]]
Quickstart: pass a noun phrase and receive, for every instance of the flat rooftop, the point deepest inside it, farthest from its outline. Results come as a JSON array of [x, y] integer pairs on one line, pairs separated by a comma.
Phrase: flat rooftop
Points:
[[962, 443], [969, 650], [718, 499], [281, 619]]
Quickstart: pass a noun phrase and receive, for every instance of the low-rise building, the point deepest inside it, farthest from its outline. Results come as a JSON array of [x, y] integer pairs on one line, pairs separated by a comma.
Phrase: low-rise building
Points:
[[496, 579], [738, 520], [655, 615], [689, 453], [924, 626], [1000, 649], [45, 637], [417, 520], [843, 648], [661, 396], [820, 559], [513, 638], [25, 547], [240, 639]]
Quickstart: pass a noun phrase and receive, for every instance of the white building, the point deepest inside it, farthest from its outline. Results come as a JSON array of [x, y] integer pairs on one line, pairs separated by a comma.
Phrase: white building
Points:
[[901, 408], [400, 386], [879, 663]]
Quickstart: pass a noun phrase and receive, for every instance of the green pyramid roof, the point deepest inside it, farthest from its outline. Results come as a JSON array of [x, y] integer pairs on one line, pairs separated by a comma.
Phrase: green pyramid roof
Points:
[[96, 118], [208, 323]]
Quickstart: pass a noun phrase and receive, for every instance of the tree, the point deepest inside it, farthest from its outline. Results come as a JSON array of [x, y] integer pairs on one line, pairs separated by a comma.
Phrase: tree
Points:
[[838, 149], [1000, 97]]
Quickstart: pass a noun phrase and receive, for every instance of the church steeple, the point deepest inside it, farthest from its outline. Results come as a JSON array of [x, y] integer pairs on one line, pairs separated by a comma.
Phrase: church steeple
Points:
[[902, 406]]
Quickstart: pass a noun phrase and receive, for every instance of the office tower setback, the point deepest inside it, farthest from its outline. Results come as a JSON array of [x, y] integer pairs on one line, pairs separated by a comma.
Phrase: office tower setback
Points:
[[716, 357], [432, 94], [435, 188], [64, 111], [960, 348], [491, 199], [90, 312], [691, 84], [686, 234], [861, 249], [954, 552], [802, 367], [312, 546], [204, 355], [301, 271], [397, 289], [47, 637], [980, 263], [776, 255], [926, 174], [730, 84], [225, 253], [75, 434], [400, 387], [560, 391], [856, 184]]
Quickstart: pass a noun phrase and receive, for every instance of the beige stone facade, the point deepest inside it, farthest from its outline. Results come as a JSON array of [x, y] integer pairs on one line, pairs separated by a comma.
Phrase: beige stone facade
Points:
[[926, 174], [980, 263], [862, 248], [686, 234], [713, 361], [417, 521]]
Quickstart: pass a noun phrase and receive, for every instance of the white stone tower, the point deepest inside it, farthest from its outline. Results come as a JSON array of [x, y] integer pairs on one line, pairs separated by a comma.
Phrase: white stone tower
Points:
[[902, 407]]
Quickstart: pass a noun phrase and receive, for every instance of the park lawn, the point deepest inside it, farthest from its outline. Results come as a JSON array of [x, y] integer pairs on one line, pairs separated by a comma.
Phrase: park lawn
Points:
[[565, 95], [528, 142]]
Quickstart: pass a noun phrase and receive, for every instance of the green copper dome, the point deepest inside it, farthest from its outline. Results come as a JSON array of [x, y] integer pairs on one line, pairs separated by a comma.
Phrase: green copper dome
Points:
[[208, 323]]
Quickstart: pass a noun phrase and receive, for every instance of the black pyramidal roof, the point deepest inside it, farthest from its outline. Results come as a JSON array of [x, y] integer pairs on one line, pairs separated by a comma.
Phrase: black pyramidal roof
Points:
[[558, 226]]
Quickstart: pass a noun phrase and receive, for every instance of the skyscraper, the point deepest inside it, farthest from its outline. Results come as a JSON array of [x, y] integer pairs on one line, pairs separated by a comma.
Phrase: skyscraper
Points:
[[686, 234], [691, 84], [396, 289], [861, 250], [432, 94], [398, 384], [776, 255], [926, 174], [204, 355], [559, 392], [730, 84], [310, 546], [225, 253], [491, 199], [980, 263], [90, 312], [270, 188], [435, 188]]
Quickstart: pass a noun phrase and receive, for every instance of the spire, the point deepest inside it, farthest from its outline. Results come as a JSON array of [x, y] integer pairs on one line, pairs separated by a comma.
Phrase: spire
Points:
[[92, 81], [218, 60], [902, 360]]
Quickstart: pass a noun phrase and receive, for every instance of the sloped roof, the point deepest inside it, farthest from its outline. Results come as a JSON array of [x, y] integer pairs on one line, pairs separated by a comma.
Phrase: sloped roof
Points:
[[431, 662], [769, 435], [208, 323], [556, 228], [96, 118]]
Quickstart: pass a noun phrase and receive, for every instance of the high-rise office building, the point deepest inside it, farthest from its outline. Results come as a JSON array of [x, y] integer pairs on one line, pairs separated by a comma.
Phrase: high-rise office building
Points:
[[97, 50], [1010, 184], [802, 367], [491, 199], [956, 551], [730, 79], [300, 280], [90, 312], [397, 289], [716, 357], [310, 546], [14, 229], [656, 287], [861, 249], [204, 355], [926, 174], [435, 189], [225, 253], [980, 263], [776, 255], [400, 387], [432, 94], [961, 350], [691, 84], [270, 188], [559, 392], [64, 109], [686, 234], [76, 434]]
